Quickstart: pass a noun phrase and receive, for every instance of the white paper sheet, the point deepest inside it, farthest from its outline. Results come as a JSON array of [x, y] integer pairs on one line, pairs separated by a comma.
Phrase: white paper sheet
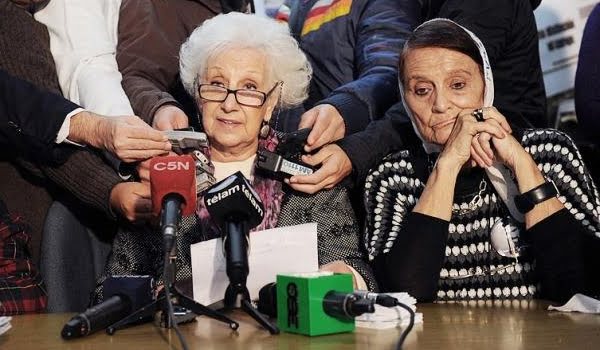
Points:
[[289, 249]]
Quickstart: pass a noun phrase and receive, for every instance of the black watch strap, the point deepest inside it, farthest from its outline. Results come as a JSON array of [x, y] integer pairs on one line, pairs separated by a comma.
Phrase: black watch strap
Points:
[[526, 201]]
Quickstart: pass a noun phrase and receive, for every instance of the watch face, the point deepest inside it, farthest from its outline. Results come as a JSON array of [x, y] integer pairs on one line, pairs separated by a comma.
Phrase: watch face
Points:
[[523, 204], [526, 201]]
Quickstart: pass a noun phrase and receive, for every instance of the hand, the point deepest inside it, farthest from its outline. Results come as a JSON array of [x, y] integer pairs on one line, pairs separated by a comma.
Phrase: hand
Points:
[[335, 167], [128, 137], [143, 170], [338, 266], [170, 117], [510, 152], [482, 153], [327, 126], [132, 201], [460, 144]]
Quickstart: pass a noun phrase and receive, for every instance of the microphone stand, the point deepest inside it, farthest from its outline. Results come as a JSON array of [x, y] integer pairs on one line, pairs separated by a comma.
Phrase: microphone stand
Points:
[[161, 303], [237, 295]]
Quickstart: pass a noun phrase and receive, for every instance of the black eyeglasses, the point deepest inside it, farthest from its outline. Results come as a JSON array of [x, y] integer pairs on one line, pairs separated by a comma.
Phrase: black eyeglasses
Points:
[[244, 97]]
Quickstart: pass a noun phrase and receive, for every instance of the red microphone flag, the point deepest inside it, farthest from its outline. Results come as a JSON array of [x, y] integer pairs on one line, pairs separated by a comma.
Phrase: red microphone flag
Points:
[[173, 175]]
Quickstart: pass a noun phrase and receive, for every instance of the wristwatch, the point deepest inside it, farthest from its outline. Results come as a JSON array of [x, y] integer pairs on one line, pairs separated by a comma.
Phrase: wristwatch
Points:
[[526, 201]]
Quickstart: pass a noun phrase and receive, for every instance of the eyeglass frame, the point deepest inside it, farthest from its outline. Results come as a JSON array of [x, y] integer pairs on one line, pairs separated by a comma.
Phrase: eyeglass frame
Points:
[[234, 92]]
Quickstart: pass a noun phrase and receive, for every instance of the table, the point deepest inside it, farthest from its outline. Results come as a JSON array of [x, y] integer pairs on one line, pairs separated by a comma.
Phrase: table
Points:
[[475, 325]]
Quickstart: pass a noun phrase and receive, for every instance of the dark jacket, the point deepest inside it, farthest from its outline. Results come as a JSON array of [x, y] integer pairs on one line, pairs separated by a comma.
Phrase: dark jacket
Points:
[[508, 31], [353, 47], [30, 118], [150, 35], [587, 79]]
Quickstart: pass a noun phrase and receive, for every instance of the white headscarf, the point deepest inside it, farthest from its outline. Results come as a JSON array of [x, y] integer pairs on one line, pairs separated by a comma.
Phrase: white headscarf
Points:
[[498, 174]]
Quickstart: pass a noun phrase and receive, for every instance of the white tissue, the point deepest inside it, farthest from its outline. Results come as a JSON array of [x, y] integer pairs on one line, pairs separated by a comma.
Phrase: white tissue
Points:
[[390, 317], [579, 303]]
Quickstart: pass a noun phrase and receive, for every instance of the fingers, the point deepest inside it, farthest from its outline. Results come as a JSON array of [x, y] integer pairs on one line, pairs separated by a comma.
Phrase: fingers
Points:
[[317, 135], [492, 112], [142, 133], [129, 156], [327, 126], [335, 167], [143, 170], [308, 119]]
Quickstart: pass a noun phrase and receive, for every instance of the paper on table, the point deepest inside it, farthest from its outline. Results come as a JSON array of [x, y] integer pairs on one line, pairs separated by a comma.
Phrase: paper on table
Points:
[[579, 303], [289, 249], [4, 324]]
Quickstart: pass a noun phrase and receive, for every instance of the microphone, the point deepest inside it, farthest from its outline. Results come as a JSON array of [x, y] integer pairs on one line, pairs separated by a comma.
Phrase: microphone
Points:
[[313, 304], [341, 305], [173, 192], [378, 298], [236, 208], [127, 294]]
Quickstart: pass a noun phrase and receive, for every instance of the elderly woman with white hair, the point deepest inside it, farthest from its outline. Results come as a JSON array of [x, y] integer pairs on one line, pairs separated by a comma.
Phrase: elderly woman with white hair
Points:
[[239, 68]]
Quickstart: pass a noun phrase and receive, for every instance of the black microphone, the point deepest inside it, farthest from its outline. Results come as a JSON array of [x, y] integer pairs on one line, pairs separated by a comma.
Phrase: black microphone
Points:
[[341, 305], [378, 298], [236, 208], [127, 294]]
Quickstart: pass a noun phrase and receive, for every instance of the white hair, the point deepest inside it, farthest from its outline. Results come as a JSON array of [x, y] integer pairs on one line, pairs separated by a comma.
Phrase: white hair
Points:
[[287, 63]]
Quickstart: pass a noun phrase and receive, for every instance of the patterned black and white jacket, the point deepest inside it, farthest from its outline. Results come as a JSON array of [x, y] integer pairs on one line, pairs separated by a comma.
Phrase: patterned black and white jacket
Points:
[[434, 259]]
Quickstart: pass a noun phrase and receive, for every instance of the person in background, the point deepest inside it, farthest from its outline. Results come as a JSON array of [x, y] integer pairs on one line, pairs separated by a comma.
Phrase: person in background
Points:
[[33, 122], [238, 76], [354, 80], [150, 33], [587, 79], [507, 29], [477, 212], [83, 42]]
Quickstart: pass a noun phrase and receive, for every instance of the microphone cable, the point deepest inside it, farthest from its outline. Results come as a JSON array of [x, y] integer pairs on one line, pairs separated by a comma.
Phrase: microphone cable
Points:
[[170, 312], [410, 326]]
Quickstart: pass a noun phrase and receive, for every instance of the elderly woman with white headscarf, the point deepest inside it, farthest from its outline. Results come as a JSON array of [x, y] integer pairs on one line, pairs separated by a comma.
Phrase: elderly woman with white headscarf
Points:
[[239, 68], [476, 212]]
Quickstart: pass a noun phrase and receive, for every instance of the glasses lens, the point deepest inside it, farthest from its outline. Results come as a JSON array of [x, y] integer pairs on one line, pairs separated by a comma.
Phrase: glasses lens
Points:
[[250, 97], [213, 92]]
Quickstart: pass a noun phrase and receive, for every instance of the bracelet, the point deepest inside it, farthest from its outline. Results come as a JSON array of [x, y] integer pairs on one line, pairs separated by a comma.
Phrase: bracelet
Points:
[[525, 202]]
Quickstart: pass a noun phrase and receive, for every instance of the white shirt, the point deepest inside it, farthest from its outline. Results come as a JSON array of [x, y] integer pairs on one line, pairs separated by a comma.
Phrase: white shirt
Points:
[[83, 41]]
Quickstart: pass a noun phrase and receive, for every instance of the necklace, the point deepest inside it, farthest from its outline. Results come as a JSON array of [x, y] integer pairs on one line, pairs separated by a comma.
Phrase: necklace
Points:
[[475, 201]]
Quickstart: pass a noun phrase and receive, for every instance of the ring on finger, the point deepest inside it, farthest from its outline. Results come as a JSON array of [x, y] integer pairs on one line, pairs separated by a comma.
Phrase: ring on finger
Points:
[[478, 114]]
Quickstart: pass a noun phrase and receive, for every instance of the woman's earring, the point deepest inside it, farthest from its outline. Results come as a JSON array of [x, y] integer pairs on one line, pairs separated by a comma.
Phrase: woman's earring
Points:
[[264, 130]]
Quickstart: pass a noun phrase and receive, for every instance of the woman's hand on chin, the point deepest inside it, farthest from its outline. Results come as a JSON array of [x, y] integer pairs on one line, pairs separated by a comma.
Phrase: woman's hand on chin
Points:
[[463, 144]]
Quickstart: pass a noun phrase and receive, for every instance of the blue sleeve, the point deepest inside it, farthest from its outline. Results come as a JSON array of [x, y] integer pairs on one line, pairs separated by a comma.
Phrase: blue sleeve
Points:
[[381, 30], [587, 78]]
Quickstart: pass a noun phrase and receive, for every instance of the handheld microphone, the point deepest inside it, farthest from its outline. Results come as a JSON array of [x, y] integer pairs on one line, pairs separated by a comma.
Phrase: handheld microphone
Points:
[[236, 208], [173, 191], [378, 298], [127, 294]]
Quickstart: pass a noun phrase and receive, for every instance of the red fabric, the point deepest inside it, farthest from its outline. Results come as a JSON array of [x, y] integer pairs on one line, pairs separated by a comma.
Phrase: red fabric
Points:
[[21, 286]]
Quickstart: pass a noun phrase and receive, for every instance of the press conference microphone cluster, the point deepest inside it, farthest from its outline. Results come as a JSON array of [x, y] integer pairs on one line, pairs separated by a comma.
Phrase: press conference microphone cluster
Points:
[[236, 208], [173, 192], [125, 295]]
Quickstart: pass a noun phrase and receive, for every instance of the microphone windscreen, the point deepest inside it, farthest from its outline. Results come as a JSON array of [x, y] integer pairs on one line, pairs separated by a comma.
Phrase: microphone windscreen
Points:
[[173, 175], [139, 289], [234, 199]]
